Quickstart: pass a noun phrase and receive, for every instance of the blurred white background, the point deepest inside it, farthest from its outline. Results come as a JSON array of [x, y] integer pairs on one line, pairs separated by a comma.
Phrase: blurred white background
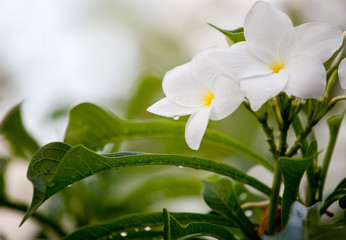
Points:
[[64, 52]]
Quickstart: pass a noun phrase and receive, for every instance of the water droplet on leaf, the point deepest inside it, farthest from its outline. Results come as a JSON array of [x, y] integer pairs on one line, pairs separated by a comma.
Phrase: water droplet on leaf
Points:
[[123, 234], [147, 228], [248, 213], [242, 196], [69, 185], [176, 117], [180, 166]]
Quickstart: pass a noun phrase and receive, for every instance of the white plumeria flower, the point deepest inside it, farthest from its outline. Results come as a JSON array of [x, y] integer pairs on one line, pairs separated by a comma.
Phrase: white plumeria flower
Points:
[[277, 57], [342, 73], [201, 89]]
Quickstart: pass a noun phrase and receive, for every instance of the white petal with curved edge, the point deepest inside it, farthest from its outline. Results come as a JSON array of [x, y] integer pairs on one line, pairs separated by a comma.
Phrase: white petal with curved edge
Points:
[[342, 73], [263, 28], [306, 77], [316, 39], [260, 89], [239, 61], [165, 107], [180, 88], [195, 128], [204, 69], [228, 97]]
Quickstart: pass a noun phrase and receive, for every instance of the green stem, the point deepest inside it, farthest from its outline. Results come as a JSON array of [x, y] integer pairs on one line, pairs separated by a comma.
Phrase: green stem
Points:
[[274, 200], [44, 220]]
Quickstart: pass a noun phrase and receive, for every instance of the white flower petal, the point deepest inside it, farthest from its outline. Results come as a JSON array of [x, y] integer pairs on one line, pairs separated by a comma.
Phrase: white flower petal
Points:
[[306, 77], [263, 28], [180, 88], [342, 73], [320, 40], [239, 61], [195, 128], [165, 107], [228, 97], [260, 89], [204, 69]]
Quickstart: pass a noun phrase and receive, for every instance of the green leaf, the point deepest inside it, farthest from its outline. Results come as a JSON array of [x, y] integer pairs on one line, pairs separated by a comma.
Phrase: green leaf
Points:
[[342, 184], [148, 85], [94, 128], [334, 196], [175, 231], [12, 128], [57, 165], [334, 124], [233, 36], [292, 171], [139, 222], [222, 198]]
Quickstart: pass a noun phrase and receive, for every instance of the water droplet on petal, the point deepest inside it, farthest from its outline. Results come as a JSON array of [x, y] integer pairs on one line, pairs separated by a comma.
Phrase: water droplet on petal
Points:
[[123, 234], [248, 213], [176, 117], [147, 228]]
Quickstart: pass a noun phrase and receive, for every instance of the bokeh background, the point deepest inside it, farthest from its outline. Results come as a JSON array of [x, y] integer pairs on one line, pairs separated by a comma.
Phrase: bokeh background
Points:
[[56, 54]]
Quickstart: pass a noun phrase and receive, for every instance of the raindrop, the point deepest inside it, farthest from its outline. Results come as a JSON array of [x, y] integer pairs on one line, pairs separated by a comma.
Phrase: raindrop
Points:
[[180, 166], [248, 213], [176, 117], [242, 196], [69, 185], [147, 228], [123, 234]]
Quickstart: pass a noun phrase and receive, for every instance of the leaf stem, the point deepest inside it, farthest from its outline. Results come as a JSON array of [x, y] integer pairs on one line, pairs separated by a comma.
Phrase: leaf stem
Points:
[[44, 220], [274, 199]]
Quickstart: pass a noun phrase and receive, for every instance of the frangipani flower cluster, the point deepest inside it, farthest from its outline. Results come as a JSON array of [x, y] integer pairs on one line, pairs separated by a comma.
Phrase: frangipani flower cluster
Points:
[[276, 57]]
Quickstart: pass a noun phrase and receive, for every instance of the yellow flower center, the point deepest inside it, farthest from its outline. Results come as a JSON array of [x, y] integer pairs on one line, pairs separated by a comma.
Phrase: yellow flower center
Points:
[[276, 67], [208, 98]]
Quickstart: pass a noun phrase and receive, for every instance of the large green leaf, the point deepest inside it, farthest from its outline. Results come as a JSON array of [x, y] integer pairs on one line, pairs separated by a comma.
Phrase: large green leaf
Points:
[[57, 165], [334, 124], [12, 128], [232, 36], [94, 128], [292, 171], [148, 85], [175, 231], [222, 198], [131, 225]]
